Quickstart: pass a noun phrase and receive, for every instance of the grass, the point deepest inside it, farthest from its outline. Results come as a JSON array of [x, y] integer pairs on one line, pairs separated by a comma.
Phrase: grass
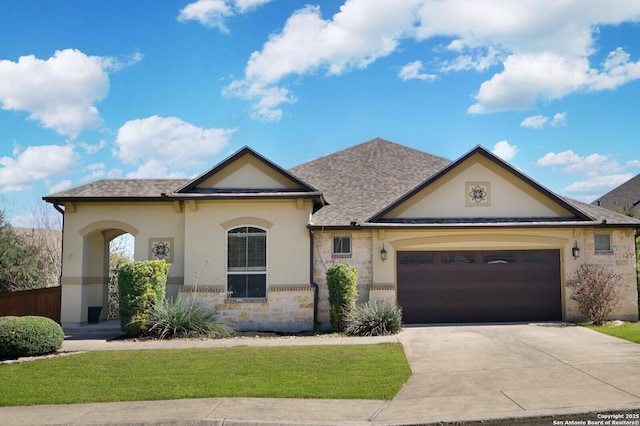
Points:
[[628, 330], [342, 372]]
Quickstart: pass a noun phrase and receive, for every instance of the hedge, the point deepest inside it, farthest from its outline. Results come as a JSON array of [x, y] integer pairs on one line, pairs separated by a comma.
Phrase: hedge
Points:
[[140, 285], [29, 336]]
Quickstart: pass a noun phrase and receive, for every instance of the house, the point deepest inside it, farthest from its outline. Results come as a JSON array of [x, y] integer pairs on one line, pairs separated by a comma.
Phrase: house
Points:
[[473, 240], [624, 198]]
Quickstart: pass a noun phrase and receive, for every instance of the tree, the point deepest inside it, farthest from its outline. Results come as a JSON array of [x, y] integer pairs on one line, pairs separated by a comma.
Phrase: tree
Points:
[[22, 264]]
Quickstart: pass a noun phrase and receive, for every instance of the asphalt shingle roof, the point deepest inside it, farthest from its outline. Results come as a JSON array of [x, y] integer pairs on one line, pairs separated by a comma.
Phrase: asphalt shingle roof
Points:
[[627, 194], [360, 181], [357, 183], [122, 188]]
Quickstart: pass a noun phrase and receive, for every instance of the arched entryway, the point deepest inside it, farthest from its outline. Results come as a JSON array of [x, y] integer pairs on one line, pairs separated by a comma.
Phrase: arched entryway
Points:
[[94, 289]]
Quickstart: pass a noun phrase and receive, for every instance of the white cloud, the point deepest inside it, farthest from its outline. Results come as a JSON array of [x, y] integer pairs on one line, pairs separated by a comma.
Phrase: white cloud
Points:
[[98, 171], [413, 71], [529, 78], [247, 5], [539, 121], [543, 46], [535, 121], [559, 119], [359, 34], [617, 70], [505, 150], [479, 59], [598, 173], [154, 169], [166, 146], [214, 13], [61, 92], [93, 148], [598, 184], [61, 186], [35, 164]]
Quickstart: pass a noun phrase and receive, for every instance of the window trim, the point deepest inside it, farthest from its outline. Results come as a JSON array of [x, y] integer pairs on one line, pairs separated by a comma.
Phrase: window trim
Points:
[[248, 271], [341, 255]]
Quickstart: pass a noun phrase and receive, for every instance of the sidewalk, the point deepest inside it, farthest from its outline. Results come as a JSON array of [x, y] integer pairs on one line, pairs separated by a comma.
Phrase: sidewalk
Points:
[[496, 374]]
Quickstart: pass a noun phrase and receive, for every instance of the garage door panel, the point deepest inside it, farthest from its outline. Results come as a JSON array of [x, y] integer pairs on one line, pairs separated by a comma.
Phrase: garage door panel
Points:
[[524, 289]]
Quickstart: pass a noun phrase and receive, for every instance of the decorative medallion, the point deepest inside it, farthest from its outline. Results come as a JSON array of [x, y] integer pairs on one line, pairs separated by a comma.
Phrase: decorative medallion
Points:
[[160, 248], [478, 194]]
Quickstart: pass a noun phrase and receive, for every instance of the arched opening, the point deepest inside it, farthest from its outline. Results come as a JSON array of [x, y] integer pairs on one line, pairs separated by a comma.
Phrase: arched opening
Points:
[[105, 245], [120, 251]]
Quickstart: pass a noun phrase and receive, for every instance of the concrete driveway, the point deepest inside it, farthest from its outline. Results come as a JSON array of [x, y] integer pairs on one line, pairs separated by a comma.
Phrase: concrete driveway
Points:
[[481, 372]]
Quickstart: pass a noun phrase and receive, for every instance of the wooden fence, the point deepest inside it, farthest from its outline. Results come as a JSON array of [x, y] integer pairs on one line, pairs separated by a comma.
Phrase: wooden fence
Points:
[[42, 302]]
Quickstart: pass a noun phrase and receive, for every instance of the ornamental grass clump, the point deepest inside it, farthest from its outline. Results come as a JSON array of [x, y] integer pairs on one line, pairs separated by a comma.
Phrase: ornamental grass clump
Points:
[[595, 289], [373, 319], [184, 316], [29, 336]]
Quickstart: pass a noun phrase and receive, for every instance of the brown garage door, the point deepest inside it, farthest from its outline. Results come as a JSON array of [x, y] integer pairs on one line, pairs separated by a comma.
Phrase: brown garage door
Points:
[[479, 286]]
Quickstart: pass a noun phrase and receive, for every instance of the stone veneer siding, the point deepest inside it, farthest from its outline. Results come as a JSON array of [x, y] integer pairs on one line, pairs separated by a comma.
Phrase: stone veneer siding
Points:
[[622, 260], [361, 243], [383, 294], [284, 309]]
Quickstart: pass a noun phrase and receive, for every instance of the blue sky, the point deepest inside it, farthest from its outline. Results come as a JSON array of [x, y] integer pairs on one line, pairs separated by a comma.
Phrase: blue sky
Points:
[[146, 89]]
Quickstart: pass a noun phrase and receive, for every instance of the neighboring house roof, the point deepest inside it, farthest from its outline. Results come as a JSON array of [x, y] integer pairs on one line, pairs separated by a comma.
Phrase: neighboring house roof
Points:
[[355, 186], [624, 196]]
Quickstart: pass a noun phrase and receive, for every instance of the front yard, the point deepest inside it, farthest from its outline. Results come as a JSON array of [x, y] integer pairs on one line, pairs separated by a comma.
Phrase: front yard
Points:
[[342, 372], [626, 330]]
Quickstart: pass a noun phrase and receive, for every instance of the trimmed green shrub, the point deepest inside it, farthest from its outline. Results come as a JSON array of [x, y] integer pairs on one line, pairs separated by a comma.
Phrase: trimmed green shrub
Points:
[[595, 290], [140, 285], [373, 319], [29, 336], [343, 292], [185, 317]]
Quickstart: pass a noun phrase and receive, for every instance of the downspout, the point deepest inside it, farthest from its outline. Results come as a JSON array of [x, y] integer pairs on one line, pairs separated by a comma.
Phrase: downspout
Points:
[[313, 284]]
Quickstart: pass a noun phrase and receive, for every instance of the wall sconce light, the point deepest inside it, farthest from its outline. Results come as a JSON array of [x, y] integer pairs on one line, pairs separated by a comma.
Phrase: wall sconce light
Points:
[[383, 253], [575, 250]]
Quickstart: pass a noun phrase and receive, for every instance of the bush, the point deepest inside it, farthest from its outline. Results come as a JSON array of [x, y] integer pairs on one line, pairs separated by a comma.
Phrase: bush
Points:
[[595, 290], [140, 285], [29, 336], [372, 319], [185, 317], [343, 291]]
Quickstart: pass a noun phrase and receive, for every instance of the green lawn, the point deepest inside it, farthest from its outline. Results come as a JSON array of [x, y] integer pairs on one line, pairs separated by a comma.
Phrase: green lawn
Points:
[[342, 371], [628, 330]]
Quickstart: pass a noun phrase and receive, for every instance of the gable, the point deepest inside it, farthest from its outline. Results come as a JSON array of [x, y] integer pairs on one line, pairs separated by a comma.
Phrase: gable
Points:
[[246, 171], [479, 186]]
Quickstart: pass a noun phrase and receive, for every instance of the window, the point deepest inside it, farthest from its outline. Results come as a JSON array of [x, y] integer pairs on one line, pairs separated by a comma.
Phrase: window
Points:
[[341, 247], [499, 257], [247, 262], [603, 243], [425, 258], [458, 258]]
